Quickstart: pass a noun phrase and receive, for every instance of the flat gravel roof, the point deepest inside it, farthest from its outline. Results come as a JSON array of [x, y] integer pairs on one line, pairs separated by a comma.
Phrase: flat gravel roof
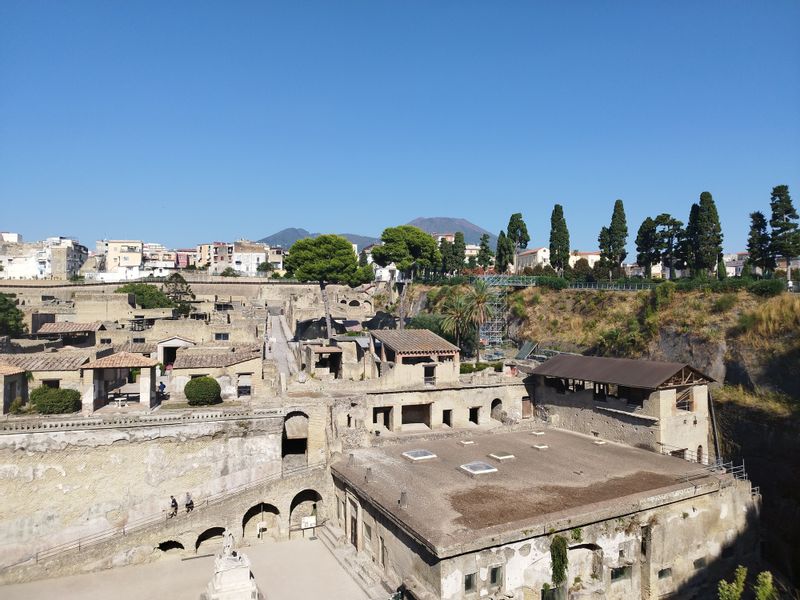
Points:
[[569, 477]]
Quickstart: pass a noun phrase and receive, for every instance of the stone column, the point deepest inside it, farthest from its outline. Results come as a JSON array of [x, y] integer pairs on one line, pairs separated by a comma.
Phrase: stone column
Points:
[[147, 386]]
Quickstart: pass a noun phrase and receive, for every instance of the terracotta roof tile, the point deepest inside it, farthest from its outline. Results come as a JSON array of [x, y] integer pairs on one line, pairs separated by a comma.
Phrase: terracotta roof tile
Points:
[[65, 360], [214, 359], [10, 370], [121, 360], [65, 327]]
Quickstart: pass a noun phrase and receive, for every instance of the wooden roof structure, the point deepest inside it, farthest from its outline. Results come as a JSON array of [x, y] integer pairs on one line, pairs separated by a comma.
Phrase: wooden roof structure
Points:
[[646, 374], [414, 341]]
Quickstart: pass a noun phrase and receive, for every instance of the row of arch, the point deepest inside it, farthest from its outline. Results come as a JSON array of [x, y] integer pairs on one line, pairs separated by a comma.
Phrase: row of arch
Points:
[[260, 522]]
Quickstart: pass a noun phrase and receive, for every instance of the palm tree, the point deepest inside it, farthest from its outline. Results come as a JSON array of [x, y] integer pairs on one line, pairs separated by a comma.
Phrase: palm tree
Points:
[[480, 309], [456, 313]]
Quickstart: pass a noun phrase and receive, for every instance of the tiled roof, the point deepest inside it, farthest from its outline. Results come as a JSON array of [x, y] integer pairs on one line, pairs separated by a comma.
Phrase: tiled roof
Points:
[[121, 360], [414, 340], [214, 359], [138, 347], [47, 361], [64, 327], [10, 370]]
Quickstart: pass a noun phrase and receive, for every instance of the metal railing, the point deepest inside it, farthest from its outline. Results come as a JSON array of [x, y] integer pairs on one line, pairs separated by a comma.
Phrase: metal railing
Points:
[[163, 516]]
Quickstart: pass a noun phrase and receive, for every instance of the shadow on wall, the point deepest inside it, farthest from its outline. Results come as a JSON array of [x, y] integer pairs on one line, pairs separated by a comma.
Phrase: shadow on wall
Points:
[[769, 445]]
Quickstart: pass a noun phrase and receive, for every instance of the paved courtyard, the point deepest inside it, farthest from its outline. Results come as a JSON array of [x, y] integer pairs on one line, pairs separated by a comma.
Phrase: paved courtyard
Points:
[[284, 571]]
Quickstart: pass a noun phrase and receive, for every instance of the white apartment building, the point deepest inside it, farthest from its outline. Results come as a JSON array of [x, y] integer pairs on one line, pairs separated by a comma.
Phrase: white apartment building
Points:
[[53, 258]]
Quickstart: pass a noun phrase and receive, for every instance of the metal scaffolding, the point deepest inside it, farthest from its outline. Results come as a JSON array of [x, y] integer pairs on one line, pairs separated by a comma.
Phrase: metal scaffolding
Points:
[[492, 332]]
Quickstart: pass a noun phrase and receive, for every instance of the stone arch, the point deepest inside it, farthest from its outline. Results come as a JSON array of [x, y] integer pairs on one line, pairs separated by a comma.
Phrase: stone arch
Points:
[[305, 504], [209, 534], [497, 409], [584, 561], [261, 521], [169, 545], [354, 303], [294, 441]]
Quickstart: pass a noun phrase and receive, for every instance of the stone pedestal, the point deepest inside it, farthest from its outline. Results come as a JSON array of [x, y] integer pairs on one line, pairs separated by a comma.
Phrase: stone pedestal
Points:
[[232, 579]]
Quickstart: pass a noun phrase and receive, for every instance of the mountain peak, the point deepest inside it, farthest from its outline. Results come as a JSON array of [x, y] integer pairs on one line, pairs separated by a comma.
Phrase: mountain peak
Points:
[[472, 233]]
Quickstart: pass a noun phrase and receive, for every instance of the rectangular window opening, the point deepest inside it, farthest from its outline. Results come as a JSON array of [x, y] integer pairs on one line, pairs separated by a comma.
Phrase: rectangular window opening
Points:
[[665, 573], [619, 573], [470, 582], [496, 576]]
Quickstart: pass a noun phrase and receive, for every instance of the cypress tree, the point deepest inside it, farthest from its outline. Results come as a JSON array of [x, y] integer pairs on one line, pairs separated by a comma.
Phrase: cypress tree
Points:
[[708, 237], [785, 239], [504, 253], [559, 239], [759, 243], [448, 261], [612, 239], [648, 250], [485, 253], [689, 245], [518, 232], [459, 252]]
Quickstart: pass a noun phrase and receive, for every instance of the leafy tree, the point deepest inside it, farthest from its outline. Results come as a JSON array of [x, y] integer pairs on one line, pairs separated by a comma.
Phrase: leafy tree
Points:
[[722, 271], [480, 299], [363, 261], [612, 239], [559, 239], [459, 251], [706, 237], [229, 272], [202, 391], [581, 271], [146, 295], [485, 254], [472, 263], [11, 318], [648, 248], [785, 235], [670, 233], [326, 259], [735, 589], [518, 232], [759, 245], [179, 292], [264, 267], [504, 254]]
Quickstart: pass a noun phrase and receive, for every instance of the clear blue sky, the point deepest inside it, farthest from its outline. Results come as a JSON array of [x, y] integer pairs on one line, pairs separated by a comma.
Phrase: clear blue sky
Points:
[[184, 122]]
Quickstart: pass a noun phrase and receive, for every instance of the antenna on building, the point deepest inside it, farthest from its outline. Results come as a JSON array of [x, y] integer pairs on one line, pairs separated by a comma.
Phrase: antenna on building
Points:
[[403, 502]]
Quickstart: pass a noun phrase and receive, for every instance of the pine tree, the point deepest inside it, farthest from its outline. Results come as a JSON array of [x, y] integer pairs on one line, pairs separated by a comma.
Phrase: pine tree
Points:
[[648, 250], [708, 235], [785, 235], [559, 239], [612, 239], [759, 244], [485, 253], [459, 252], [518, 232], [670, 233]]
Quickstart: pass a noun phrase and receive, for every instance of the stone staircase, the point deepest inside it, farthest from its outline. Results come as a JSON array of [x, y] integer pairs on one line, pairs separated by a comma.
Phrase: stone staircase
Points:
[[363, 571]]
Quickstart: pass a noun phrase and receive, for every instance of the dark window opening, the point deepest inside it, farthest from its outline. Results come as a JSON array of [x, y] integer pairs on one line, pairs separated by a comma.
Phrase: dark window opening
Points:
[[51, 383], [416, 413], [496, 576], [447, 417], [473, 414], [619, 573], [139, 340], [221, 337], [470, 582], [665, 573], [699, 563], [381, 416], [430, 374], [170, 545]]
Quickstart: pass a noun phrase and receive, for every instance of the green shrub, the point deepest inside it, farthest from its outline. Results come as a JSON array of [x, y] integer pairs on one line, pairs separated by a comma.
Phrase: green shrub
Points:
[[554, 283], [767, 287], [16, 407], [724, 303], [55, 401], [466, 368], [202, 391]]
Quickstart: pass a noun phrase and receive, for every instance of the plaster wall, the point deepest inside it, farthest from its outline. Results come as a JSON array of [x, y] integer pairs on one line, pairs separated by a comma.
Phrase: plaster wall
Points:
[[227, 377]]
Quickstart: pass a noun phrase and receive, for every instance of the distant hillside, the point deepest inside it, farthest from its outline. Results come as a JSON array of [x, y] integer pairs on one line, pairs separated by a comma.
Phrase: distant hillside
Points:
[[472, 233], [287, 237]]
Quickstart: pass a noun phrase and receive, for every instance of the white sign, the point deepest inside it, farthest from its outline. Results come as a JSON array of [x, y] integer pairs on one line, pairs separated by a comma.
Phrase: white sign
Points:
[[308, 522]]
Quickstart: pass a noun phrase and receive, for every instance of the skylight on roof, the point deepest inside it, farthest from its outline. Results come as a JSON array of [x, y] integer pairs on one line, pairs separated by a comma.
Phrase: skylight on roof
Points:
[[418, 455], [599, 442], [501, 455], [541, 446], [467, 442], [478, 467], [537, 432]]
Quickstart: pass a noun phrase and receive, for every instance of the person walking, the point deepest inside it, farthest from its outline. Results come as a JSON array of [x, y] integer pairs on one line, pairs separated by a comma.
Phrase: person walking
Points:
[[189, 503], [173, 507]]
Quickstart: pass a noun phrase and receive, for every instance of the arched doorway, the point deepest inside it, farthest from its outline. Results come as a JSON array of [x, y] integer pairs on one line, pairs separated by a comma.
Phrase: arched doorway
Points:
[[497, 409], [294, 442], [307, 503], [209, 539], [261, 522], [700, 454]]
